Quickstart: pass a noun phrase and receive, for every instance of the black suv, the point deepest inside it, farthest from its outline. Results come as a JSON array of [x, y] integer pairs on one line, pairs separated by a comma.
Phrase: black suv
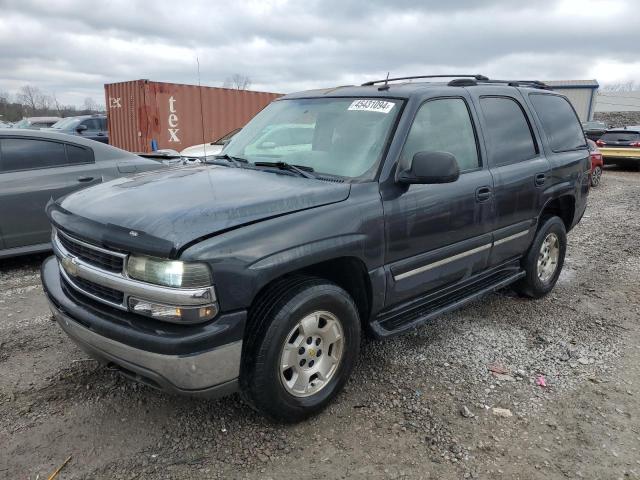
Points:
[[260, 270], [93, 127]]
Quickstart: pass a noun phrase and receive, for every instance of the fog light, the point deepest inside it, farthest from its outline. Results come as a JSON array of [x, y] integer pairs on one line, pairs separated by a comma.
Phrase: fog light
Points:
[[170, 313]]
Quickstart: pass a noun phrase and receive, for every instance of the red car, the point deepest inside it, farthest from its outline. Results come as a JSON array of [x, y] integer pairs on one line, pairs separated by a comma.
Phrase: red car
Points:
[[596, 163]]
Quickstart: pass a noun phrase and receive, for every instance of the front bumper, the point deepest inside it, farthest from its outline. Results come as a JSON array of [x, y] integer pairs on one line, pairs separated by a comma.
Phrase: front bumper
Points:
[[207, 371]]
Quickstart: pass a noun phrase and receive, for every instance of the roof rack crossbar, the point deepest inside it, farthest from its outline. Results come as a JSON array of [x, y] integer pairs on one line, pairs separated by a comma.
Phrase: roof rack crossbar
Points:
[[518, 83], [386, 80]]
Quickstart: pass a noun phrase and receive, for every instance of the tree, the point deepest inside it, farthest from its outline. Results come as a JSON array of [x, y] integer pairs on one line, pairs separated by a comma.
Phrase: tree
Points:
[[237, 81], [57, 105], [620, 86], [30, 97], [90, 105]]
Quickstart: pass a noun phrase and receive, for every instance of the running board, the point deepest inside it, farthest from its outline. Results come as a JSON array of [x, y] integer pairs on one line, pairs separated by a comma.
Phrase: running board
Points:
[[407, 317]]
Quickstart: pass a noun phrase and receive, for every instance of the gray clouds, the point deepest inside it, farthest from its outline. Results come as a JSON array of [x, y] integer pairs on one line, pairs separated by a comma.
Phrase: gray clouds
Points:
[[72, 48]]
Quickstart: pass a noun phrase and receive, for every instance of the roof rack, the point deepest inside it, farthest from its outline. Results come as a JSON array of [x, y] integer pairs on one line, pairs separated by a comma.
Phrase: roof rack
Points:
[[464, 81], [387, 80], [521, 83]]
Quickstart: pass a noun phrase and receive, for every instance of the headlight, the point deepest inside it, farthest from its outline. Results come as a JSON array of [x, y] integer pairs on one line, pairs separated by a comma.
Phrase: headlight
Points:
[[170, 273]]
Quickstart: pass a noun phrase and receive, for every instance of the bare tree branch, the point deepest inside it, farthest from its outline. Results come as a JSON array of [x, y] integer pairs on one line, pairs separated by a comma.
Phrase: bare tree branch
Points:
[[621, 87], [90, 105], [238, 81]]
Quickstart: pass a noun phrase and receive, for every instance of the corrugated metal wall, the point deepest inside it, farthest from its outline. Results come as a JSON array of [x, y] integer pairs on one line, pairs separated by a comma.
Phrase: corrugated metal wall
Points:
[[169, 115], [125, 112]]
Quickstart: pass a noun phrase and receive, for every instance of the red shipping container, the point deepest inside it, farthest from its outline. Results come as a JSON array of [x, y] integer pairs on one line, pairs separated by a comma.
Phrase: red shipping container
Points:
[[143, 115]]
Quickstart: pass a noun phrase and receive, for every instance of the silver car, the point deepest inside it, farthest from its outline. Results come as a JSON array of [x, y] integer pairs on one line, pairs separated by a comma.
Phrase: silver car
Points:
[[37, 166], [36, 123]]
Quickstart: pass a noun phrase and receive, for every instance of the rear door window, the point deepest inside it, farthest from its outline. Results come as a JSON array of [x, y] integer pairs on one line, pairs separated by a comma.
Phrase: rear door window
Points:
[[559, 122], [28, 154], [507, 130]]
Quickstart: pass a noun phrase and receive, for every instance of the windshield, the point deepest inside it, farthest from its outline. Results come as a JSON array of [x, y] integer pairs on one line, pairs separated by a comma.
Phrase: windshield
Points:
[[336, 136], [225, 137], [66, 123], [22, 123]]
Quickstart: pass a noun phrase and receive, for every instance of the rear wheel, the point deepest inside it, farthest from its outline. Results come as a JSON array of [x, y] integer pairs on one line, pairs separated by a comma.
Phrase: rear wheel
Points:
[[545, 258], [304, 348], [596, 176]]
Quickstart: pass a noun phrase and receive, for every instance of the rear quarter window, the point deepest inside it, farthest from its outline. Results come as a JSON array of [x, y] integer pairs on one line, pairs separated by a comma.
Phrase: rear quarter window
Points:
[[559, 122]]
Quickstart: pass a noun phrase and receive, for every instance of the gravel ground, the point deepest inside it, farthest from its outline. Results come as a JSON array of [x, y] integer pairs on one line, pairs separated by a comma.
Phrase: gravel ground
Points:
[[425, 405]]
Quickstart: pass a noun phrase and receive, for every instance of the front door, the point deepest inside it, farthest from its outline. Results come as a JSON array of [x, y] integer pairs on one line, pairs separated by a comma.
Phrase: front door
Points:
[[439, 234]]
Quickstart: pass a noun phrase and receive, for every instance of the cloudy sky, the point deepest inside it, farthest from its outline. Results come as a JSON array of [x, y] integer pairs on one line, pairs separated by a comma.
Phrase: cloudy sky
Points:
[[72, 48]]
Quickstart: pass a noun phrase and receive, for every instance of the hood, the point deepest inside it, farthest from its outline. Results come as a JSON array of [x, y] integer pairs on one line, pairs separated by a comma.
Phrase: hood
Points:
[[199, 150], [178, 206]]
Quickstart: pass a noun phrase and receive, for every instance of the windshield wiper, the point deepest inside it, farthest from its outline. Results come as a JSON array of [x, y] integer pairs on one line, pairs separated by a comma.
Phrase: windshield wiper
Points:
[[301, 170], [235, 161]]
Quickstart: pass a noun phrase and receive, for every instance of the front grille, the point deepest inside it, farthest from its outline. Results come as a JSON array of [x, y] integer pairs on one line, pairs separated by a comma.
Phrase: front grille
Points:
[[92, 256], [105, 293]]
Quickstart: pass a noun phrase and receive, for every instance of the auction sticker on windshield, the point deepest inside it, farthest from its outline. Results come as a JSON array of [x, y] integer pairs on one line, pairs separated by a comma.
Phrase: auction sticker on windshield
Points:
[[371, 105]]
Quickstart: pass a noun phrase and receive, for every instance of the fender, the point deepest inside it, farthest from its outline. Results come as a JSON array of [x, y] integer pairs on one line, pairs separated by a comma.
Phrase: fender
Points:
[[245, 260]]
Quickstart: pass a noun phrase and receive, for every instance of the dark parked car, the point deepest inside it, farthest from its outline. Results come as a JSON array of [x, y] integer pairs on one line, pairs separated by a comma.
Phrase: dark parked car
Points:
[[38, 166], [259, 270], [594, 130], [93, 127]]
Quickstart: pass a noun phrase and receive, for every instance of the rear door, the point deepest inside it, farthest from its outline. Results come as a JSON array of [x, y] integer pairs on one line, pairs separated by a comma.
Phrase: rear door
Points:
[[32, 171], [519, 168]]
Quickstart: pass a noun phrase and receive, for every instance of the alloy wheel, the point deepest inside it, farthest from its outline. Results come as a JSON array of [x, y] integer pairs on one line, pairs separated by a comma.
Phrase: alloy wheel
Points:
[[311, 354], [548, 257]]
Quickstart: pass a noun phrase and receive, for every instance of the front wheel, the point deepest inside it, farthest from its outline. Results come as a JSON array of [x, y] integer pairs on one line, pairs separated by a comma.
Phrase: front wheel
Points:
[[304, 348], [545, 258], [596, 176]]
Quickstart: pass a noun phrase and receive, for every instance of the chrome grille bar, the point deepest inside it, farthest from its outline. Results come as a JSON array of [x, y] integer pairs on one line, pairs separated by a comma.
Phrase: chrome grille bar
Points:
[[73, 266]]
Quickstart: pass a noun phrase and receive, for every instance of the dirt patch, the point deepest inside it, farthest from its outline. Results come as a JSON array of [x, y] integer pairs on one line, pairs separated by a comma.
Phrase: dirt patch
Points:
[[419, 406]]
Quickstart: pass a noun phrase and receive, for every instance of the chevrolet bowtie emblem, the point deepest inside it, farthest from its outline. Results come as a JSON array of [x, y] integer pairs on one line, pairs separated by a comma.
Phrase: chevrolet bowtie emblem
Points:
[[70, 266]]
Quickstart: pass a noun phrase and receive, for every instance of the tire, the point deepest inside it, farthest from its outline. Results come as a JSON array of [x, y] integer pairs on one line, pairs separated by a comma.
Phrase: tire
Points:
[[596, 176], [538, 282], [303, 308]]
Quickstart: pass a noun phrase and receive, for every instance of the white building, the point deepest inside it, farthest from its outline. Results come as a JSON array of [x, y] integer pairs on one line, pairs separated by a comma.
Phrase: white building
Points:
[[581, 93]]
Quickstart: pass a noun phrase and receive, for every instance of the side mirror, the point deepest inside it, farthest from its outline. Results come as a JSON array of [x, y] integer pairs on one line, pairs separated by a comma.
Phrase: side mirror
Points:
[[81, 128], [431, 167]]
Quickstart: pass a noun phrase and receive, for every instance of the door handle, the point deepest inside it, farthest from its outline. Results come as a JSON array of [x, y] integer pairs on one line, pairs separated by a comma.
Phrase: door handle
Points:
[[483, 194], [85, 179], [540, 179]]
